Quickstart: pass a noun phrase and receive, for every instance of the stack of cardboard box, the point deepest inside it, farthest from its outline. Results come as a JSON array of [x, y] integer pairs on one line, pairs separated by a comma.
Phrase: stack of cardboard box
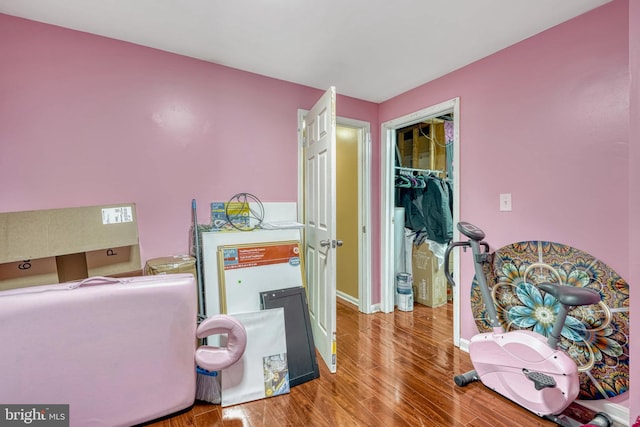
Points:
[[428, 277], [58, 245]]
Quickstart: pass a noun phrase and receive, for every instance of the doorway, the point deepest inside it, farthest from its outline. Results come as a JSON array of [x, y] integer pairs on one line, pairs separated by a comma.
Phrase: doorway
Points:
[[353, 176], [348, 140], [389, 163]]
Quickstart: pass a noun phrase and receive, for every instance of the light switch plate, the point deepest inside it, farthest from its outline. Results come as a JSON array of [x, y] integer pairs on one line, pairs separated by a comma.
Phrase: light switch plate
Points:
[[505, 202]]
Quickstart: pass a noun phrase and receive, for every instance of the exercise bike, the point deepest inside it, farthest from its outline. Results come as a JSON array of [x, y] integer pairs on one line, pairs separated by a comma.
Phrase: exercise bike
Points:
[[524, 366]]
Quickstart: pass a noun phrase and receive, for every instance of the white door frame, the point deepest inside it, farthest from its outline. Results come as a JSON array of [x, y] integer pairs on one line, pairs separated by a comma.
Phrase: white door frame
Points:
[[387, 168], [364, 202]]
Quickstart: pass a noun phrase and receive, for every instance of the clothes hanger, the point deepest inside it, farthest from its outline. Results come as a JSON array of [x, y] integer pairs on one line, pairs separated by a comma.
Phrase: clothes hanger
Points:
[[402, 181]]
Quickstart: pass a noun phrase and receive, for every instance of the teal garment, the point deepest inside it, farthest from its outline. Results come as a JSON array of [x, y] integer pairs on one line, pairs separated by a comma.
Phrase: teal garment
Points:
[[449, 151], [414, 219], [437, 211]]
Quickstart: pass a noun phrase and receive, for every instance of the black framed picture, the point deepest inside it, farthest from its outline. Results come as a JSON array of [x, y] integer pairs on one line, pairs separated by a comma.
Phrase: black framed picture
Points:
[[301, 350]]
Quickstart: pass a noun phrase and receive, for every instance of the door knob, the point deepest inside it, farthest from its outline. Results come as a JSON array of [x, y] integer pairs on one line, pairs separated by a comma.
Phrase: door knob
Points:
[[330, 243]]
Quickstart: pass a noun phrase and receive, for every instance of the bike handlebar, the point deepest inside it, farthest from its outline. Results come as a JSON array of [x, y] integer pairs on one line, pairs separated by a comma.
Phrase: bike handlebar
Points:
[[452, 245]]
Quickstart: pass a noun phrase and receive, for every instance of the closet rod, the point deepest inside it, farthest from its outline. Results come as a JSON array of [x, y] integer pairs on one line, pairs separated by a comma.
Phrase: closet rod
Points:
[[418, 170]]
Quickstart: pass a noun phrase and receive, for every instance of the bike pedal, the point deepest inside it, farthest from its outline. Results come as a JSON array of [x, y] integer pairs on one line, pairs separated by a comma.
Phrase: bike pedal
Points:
[[539, 379]]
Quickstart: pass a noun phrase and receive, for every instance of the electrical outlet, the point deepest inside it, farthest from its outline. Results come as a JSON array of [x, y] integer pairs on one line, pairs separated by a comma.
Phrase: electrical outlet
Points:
[[505, 202]]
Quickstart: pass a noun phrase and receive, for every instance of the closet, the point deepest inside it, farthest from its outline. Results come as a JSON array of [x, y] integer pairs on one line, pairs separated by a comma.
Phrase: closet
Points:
[[424, 206], [423, 145]]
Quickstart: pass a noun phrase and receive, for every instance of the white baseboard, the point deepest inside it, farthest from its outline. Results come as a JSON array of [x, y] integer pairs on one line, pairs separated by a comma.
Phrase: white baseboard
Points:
[[347, 298], [464, 345], [375, 308]]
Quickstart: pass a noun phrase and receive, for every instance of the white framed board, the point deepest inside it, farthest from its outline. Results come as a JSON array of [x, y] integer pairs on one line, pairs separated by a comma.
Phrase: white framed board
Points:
[[263, 369], [210, 243], [247, 270]]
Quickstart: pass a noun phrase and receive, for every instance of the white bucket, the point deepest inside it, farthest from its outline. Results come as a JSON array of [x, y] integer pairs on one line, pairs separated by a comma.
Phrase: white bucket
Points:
[[405, 302], [404, 291]]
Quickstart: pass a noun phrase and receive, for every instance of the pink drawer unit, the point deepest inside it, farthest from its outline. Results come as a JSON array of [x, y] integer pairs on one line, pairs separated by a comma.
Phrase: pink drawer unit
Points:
[[117, 351]]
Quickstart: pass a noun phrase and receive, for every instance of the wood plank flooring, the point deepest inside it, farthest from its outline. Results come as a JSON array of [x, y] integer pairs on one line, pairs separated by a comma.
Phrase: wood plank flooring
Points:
[[393, 370]]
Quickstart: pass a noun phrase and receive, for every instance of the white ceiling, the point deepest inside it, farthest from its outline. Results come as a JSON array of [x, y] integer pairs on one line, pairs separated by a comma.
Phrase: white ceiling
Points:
[[369, 49]]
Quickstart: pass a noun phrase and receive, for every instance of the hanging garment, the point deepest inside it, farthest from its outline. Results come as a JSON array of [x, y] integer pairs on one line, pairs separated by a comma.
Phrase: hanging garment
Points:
[[437, 212], [448, 140], [449, 185], [413, 216], [406, 198]]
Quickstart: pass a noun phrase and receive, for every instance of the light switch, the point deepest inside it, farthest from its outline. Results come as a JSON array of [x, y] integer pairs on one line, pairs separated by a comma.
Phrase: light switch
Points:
[[505, 202]]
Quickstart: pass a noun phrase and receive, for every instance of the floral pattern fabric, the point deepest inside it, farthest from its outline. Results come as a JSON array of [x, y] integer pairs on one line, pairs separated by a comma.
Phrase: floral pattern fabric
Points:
[[595, 336]]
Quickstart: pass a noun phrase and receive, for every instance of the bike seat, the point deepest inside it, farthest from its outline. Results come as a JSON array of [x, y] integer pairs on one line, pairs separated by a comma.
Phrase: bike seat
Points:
[[571, 295]]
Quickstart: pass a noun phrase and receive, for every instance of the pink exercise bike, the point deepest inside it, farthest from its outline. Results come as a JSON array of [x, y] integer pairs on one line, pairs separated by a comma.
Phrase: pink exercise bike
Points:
[[524, 366]]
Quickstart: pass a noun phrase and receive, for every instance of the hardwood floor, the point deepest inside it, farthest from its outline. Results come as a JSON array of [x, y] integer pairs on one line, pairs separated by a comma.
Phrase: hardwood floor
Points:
[[393, 370]]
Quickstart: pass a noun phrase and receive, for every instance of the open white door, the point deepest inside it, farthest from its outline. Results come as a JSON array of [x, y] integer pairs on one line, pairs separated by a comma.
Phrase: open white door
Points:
[[320, 219]]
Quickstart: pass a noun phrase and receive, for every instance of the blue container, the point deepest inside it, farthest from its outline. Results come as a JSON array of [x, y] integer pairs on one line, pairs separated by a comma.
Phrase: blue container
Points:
[[404, 284]]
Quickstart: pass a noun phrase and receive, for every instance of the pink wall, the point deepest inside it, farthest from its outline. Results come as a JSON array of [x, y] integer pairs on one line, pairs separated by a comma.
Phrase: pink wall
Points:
[[546, 120], [634, 202], [88, 120]]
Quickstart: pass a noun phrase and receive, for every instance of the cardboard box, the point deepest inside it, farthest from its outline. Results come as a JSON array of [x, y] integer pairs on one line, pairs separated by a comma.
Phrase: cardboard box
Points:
[[171, 265], [58, 245], [429, 280]]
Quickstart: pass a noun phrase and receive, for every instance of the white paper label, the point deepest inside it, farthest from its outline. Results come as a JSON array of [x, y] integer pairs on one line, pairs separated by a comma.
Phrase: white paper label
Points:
[[117, 215]]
